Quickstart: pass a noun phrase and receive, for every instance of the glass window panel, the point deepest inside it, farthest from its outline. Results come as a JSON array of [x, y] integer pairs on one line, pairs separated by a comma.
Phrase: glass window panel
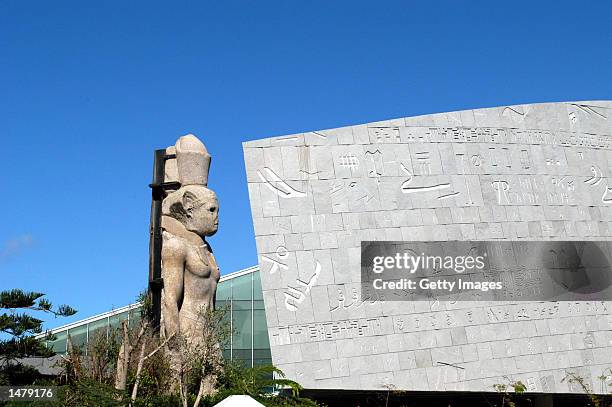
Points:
[[260, 336], [257, 292], [114, 327], [242, 330], [78, 335], [59, 344], [260, 362], [226, 321], [223, 305], [262, 354], [259, 304], [227, 354], [243, 355], [99, 327], [135, 318], [115, 331], [115, 320], [242, 287], [224, 290], [242, 305]]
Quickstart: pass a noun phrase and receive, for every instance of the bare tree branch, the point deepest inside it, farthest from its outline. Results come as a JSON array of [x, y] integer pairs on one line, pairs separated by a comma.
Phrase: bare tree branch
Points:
[[160, 346], [141, 359]]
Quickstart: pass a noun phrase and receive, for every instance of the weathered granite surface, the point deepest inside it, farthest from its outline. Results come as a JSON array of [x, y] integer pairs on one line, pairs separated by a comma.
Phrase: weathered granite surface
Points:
[[189, 214], [525, 172]]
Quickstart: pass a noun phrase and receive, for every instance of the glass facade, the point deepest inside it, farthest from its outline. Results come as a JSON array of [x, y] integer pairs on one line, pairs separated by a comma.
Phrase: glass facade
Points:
[[242, 296], [239, 292]]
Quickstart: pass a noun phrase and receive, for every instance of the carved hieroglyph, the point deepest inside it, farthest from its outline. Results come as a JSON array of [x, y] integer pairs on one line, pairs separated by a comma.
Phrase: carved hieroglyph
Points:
[[189, 214], [529, 172]]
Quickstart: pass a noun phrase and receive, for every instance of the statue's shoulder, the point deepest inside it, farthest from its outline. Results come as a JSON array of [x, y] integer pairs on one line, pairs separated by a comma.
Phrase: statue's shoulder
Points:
[[172, 245]]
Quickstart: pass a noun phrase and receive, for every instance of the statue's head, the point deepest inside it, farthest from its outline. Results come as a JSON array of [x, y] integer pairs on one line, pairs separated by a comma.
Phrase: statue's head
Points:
[[193, 204], [196, 207]]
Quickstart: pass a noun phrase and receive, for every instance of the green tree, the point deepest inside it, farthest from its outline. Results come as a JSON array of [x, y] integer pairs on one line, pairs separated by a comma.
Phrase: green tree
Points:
[[510, 392], [90, 378], [19, 330]]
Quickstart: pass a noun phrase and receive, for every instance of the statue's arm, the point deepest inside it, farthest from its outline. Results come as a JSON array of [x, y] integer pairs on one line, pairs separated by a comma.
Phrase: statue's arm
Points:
[[173, 271]]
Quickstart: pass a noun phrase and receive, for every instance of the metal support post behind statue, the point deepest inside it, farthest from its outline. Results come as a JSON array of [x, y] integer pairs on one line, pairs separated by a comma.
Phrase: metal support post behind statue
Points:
[[158, 192]]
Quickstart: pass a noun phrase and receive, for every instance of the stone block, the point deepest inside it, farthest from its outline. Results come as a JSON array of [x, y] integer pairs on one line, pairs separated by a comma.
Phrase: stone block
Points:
[[508, 173]]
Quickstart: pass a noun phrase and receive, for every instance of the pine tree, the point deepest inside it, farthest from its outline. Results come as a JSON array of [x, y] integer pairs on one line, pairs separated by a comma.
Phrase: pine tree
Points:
[[19, 331]]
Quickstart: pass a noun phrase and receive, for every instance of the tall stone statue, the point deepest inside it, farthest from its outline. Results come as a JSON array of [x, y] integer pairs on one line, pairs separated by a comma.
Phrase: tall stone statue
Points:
[[190, 214]]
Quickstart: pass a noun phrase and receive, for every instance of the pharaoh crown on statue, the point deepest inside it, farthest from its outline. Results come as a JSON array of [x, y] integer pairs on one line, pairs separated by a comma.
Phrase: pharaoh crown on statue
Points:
[[193, 161]]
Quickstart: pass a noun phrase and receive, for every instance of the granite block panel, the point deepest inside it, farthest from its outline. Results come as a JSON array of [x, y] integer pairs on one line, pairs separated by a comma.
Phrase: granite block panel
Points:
[[525, 172]]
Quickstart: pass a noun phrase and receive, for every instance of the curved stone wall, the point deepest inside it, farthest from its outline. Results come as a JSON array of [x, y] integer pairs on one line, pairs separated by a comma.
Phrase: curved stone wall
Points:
[[525, 172]]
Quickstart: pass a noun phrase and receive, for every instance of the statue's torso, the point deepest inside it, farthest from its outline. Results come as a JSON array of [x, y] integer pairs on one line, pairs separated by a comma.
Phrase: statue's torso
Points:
[[200, 273], [201, 276]]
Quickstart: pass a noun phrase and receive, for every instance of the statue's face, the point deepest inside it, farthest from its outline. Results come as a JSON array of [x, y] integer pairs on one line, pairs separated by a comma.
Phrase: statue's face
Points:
[[202, 208], [206, 217]]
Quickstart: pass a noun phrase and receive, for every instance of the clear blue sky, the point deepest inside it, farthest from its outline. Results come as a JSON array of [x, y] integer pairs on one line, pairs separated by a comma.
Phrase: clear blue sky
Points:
[[88, 89]]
